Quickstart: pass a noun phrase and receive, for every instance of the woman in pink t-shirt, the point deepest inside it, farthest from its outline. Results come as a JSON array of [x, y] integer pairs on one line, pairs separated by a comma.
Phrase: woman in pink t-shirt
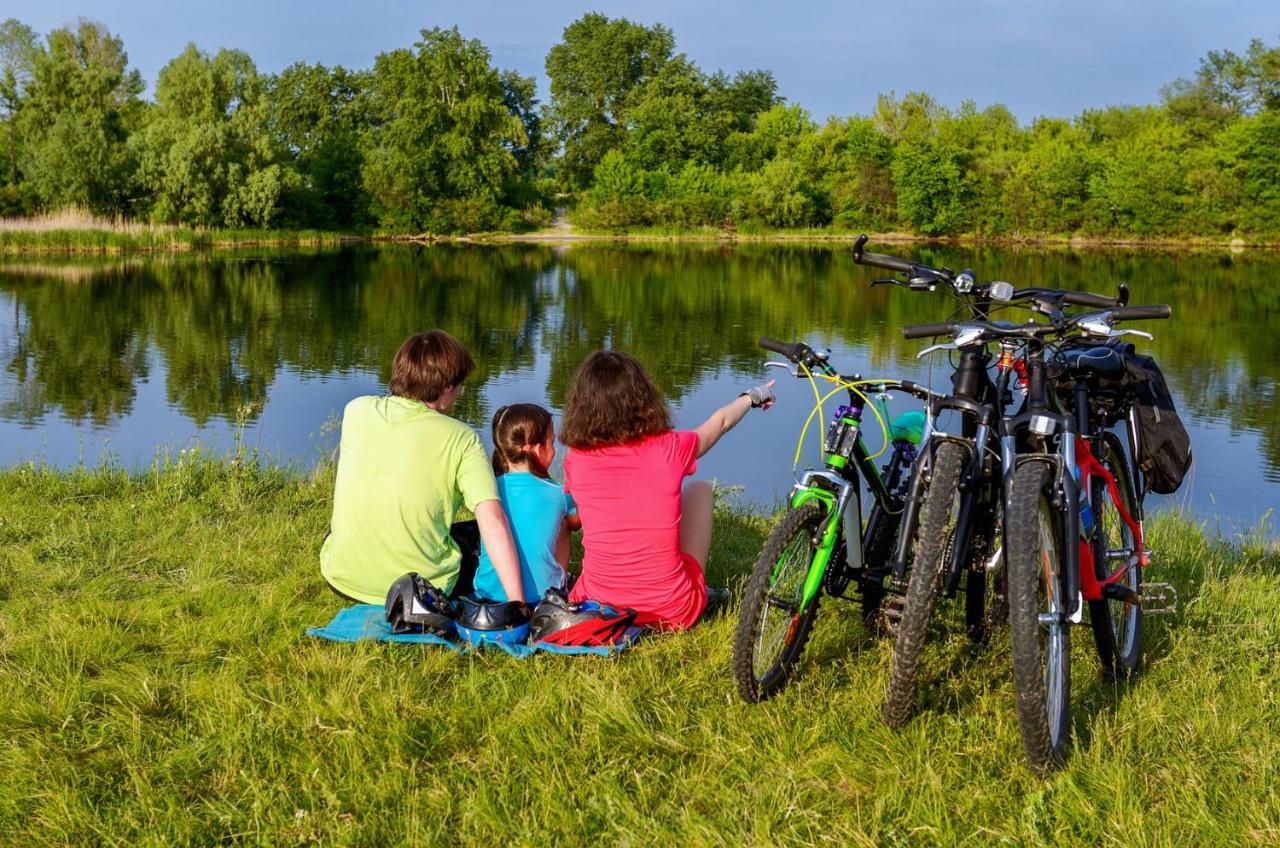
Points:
[[645, 532]]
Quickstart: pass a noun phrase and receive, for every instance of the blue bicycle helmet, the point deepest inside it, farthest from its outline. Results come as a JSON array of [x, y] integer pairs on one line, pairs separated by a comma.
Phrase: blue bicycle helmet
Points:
[[484, 620]]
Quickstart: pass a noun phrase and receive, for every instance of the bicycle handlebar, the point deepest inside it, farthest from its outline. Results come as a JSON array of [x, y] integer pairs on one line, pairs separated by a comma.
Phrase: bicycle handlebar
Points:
[[880, 260], [791, 350], [1006, 329], [1141, 313], [928, 331], [915, 269], [1079, 298]]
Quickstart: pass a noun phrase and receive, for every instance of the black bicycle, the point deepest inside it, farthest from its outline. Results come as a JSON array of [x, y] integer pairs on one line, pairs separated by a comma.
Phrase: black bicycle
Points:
[[954, 513], [1072, 531]]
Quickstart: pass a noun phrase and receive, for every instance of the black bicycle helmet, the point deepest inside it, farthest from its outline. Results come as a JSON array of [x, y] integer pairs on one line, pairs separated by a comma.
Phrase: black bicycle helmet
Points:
[[415, 606], [485, 620]]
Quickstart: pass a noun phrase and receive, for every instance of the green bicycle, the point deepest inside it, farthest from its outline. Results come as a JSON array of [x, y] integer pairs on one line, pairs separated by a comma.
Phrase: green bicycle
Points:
[[822, 543]]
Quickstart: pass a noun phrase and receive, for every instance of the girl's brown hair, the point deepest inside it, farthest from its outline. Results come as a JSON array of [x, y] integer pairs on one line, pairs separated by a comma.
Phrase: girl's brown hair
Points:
[[612, 400], [514, 427], [427, 364]]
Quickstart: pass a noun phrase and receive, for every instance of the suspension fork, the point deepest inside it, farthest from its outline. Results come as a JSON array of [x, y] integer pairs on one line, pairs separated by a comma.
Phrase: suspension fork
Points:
[[1046, 424], [846, 495]]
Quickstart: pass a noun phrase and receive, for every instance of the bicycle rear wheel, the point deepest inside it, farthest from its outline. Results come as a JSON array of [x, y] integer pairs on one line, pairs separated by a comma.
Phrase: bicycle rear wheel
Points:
[[1116, 623], [772, 628], [1039, 630], [986, 593]]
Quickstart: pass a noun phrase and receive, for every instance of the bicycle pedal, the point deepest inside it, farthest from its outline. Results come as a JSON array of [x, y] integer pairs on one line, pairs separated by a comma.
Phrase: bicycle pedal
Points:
[[1159, 599], [891, 614]]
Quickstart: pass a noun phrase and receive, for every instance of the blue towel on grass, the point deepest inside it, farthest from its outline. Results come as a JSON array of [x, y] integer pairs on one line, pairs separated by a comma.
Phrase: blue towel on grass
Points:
[[368, 622]]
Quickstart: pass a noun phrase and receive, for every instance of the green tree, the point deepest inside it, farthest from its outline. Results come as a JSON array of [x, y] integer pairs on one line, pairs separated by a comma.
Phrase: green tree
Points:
[[744, 97], [206, 156], [315, 115], [1227, 86], [1047, 190], [80, 104], [17, 59], [595, 72], [929, 179], [440, 153], [1259, 169], [855, 174]]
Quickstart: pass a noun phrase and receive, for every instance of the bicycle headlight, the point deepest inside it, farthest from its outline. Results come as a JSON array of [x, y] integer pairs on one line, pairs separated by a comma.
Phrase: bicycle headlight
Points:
[[1001, 291]]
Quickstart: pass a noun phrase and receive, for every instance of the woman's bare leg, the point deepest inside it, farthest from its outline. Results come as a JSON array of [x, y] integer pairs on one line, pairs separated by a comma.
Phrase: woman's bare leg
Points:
[[697, 506]]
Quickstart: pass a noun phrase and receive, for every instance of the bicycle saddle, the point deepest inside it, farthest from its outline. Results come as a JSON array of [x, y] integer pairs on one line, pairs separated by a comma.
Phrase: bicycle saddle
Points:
[[1100, 360]]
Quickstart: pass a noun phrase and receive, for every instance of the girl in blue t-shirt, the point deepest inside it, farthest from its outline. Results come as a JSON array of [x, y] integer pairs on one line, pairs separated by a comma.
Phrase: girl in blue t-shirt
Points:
[[541, 513]]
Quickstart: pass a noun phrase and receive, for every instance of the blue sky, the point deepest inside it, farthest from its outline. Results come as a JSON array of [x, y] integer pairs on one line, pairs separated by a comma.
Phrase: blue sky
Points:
[[1039, 57]]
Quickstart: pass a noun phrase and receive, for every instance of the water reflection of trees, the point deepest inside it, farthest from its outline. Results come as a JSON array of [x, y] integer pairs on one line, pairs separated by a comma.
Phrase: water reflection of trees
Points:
[[225, 326]]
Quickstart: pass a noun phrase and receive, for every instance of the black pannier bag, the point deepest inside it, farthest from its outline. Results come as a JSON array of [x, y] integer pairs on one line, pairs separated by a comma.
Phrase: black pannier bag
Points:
[[1164, 448]]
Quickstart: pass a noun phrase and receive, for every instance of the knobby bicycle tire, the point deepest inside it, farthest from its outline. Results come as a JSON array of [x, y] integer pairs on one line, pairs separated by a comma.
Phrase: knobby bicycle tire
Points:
[[1041, 676], [922, 587], [1119, 647], [798, 526]]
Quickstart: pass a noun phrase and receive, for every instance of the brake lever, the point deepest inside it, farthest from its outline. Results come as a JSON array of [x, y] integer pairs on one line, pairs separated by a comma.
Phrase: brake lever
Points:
[[875, 283], [937, 347], [793, 370], [1142, 334]]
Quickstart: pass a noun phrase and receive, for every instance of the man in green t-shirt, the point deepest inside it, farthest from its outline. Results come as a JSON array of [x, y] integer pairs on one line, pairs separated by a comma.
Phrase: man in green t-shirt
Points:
[[404, 468]]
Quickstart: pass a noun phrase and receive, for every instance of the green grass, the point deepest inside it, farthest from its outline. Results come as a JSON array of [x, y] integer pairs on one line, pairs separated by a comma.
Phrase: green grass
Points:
[[152, 240], [156, 689]]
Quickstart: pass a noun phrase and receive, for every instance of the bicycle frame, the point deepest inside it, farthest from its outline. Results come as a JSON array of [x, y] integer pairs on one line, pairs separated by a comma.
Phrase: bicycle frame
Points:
[[1092, 578], [838, 486], [976, 398]]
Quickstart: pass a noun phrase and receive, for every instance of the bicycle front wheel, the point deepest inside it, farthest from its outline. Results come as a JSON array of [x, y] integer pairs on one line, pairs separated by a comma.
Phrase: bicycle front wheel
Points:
[[772, 627], [1038, 626], [933, 542]]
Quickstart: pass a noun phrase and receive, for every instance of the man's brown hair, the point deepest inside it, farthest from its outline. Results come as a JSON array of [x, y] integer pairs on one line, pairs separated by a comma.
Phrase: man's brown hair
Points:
[[612, 400], [427, 364]]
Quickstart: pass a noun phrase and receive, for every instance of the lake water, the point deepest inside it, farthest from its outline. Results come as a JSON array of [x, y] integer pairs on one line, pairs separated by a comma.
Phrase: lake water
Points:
[[122, 357]]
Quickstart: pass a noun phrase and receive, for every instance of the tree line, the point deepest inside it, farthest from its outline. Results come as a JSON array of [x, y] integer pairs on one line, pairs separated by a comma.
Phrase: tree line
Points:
[[436, 138]]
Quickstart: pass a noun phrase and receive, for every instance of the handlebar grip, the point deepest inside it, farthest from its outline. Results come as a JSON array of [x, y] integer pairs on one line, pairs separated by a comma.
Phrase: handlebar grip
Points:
[[1078, 298], [879, 260], [1139, 313], [789, 350], [889, 263], [927, 331]]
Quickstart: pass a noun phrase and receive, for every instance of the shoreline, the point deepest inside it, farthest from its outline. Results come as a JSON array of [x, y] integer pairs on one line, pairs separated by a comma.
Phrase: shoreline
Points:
[[107, 243], [818, 237]]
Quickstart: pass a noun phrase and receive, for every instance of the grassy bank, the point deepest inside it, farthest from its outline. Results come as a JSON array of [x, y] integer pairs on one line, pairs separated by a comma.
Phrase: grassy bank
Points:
[[72, 231], [156, 688], [830, 234]]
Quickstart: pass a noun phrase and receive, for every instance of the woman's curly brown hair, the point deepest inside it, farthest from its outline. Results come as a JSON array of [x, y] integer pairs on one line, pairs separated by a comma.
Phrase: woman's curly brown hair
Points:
[[612, 400]]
